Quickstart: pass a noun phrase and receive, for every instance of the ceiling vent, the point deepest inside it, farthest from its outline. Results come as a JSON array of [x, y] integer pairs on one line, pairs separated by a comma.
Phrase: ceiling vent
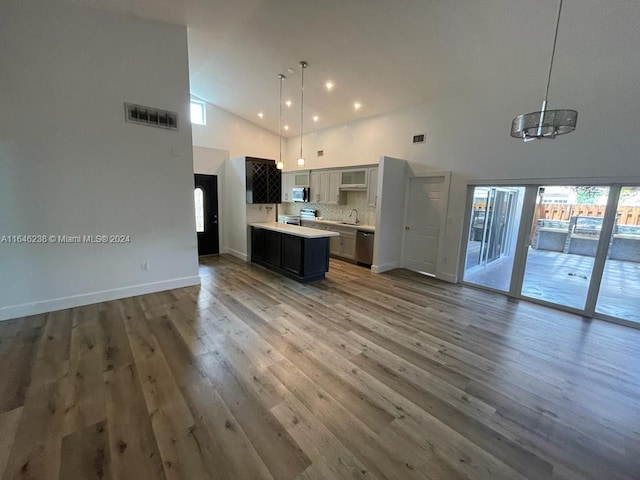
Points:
[[153, 117], [320, 153], [419, 138]]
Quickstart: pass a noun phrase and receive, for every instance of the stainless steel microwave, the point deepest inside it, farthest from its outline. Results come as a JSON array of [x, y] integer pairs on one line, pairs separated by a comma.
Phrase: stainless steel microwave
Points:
[[300, 194]]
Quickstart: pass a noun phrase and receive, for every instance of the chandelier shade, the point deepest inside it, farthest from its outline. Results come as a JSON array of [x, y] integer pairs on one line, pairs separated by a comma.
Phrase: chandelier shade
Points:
[[545, 123]]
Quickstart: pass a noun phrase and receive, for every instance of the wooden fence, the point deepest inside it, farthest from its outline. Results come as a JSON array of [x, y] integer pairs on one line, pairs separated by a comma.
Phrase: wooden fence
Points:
[[564, 211]]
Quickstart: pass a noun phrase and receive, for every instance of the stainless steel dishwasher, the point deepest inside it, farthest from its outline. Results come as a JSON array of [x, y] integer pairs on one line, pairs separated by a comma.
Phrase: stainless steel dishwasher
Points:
[[364, 247]]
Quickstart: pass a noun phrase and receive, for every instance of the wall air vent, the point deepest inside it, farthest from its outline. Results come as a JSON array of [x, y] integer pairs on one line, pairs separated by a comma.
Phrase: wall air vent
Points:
[[419, 138], [150, 116], [320, 153]]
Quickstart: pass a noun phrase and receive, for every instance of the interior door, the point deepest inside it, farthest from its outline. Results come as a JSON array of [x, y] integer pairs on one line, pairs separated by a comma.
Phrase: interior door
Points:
[[425, 216], [206, 208]]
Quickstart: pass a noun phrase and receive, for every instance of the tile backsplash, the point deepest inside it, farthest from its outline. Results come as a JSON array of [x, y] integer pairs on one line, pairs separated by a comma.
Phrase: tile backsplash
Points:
[[357, 200]]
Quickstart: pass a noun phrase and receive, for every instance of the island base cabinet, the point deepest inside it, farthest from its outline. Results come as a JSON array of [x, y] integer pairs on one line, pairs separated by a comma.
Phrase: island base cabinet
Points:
[[292, 260], [257, 244], [272, 247], [302, 259], [316, 256]]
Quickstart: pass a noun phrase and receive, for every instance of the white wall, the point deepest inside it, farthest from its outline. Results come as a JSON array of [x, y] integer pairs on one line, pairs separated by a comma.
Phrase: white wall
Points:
[[225, 136], [71, 165], [209, 161], [387, 247], [469, 135], [450, 259], [237, 213], [239, 137]]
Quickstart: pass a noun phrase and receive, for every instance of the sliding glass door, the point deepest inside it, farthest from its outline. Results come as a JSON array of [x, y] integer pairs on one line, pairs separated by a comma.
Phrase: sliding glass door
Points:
[[619, 294], [574, 246], [564, 240], [493, 228]]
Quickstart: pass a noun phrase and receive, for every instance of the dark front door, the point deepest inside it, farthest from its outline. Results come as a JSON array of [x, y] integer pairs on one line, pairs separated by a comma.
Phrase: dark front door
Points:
[[206, 201]]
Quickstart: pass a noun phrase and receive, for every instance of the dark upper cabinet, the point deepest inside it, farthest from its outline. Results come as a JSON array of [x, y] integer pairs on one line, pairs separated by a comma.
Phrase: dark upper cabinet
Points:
[[264, 181]]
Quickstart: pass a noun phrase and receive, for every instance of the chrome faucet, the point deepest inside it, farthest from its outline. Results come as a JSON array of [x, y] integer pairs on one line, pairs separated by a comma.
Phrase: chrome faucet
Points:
[[350, 214]]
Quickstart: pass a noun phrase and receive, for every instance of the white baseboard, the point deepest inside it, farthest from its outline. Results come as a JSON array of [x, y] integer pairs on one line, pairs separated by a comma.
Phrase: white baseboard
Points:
[[447, 277], [35, 308], [385, 267], [242, 256]]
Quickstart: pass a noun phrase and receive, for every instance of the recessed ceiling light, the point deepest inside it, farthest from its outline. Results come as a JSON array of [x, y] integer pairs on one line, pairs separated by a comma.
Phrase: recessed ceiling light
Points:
[[316, 118], [291, 70], [288, 103], [261, 115], [357, 105], [329, 85], [286, 127]]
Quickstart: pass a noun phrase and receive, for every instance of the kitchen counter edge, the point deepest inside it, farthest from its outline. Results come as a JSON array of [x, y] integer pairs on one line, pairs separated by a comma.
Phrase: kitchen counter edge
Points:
[[337, 223], [304, 232]]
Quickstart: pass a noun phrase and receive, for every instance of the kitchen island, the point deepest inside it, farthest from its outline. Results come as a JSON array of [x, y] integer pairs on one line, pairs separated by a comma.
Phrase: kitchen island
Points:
[[299, 253]]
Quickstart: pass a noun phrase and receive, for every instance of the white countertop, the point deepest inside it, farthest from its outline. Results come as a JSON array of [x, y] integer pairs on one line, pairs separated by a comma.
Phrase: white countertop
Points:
[[338, 223], [295, 230]]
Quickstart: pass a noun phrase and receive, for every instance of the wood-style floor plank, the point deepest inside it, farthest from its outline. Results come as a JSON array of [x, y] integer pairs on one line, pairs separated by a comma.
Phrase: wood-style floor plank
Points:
[[359, 376], [85, 454], [8, 426], [132, 443]]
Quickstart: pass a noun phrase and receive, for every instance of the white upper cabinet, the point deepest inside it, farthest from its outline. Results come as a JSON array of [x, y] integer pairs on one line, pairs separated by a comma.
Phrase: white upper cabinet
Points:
[[325, 187], [331, 186], [353, 178], [287, 185], [314, 184], [334, 197], [300, 179], [372, 187]]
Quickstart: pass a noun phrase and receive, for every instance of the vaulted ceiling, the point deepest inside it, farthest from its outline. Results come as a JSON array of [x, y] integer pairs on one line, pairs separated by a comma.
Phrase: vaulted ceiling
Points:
[[386, 54]]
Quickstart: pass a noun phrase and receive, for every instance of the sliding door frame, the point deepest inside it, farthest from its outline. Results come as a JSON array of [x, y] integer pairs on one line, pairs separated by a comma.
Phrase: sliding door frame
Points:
[[606, 230], [524, 240], [524, 235]]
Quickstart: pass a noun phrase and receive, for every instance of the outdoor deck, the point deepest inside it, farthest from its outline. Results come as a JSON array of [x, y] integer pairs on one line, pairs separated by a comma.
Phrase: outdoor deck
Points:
[[564, 279]]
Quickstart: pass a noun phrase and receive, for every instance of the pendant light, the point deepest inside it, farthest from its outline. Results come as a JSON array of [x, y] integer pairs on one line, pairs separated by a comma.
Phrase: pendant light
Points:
[[280, 163], [303, 65], [545, 123]]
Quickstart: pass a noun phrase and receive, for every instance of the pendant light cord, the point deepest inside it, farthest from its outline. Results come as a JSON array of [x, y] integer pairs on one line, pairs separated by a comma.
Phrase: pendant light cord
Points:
[[303, 65], [553, 53], [281, 77]]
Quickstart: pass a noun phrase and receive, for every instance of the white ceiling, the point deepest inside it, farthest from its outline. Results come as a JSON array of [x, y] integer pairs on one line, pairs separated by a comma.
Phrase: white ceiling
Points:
[[387, 54]]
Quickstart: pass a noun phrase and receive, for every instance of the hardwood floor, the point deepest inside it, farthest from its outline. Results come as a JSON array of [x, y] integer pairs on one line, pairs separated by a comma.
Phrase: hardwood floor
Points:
[[359, 376]]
